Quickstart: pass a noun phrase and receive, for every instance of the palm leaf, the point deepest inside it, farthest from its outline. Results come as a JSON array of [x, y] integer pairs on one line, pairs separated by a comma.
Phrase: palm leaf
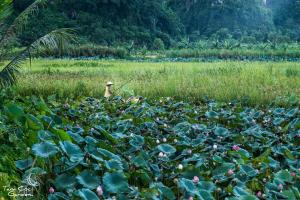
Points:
[[55, 39], [8, 73], [21, 20], [6, 9]]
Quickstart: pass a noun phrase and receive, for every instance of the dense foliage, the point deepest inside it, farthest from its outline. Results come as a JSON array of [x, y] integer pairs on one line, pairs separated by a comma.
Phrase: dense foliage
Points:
[[154, 149], [140, 22]]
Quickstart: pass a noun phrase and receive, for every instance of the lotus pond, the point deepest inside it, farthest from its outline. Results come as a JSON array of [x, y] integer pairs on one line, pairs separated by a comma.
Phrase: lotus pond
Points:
[[116, 149]]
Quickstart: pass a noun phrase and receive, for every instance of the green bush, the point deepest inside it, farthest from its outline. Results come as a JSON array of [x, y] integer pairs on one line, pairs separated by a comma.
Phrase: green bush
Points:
[[87, 50], [158, 44]]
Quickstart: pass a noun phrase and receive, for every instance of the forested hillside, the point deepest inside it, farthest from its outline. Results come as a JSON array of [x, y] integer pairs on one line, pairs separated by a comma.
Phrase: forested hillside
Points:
[[141, 22]]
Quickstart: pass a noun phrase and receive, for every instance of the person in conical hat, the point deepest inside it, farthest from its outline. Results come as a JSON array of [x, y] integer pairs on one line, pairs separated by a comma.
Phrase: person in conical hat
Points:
[[108, 93]]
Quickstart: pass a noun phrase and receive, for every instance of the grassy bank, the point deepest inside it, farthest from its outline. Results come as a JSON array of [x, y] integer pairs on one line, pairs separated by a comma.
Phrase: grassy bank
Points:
[[261, 82]]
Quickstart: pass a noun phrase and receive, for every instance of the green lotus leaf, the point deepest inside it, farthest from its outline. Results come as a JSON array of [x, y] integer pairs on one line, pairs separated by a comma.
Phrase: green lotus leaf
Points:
[[248, 170], [223, 169], [248, 197], [137, 141], [106, 134], [283, 176], [212, 114], [64, 181], [115, 182], [76, 137], [292, 112], [278, 111], [289, 194], [207, 186], [45, 149], [14, 111], [45, 135], [166, 148], [240, 191], [62, 135], [33, 123], [205, 195], [87, 194], [88, 179], [278, 121], [188, 185], [140, 161], [114, 164], [108, 154], [24, 164], [182, 128], [165, 191], [58, 196], [220, 131], [72, 150]]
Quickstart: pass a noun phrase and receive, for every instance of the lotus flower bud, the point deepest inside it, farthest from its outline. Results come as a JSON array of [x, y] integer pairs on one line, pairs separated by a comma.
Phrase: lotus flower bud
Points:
[[264, 180], [161, 154], [164, 139], [196, 179], [215, 146], [51, 190], [280, 187], [191, 198], [236, 148], [157, 141], [293, 174], [180, 166], [230, 172], [99, 191], [259, 194], [189, 151], [175, 140]]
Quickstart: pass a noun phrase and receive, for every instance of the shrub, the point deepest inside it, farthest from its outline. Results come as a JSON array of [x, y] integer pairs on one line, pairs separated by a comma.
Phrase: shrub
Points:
[[158, 44]]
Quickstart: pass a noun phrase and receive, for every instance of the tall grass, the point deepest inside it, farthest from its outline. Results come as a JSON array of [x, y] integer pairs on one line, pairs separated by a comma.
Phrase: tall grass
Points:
[[235, 54], [261, 82]]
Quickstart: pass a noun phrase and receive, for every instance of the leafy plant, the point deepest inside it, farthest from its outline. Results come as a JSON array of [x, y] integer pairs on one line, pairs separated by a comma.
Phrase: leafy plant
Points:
[[57, 39], [164, 149]]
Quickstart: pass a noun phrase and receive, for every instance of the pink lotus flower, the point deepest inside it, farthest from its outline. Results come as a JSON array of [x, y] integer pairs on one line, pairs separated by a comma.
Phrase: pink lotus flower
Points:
[[51, 190], [280, 187], [259, 194], [196, 179], [298, 135], [236, 148], [230, 172], [164, 139], [161, 154], [189, 151], [99, 191], [191, 198], [293, 174]]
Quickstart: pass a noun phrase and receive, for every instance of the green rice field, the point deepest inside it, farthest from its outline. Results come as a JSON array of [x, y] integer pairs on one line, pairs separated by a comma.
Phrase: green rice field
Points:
[[260, 82]]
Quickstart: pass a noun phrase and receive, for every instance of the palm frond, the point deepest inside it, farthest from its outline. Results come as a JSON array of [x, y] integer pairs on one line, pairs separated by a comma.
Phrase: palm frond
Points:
[[6, 9], [55, 39], [21, 20], [8, 73]]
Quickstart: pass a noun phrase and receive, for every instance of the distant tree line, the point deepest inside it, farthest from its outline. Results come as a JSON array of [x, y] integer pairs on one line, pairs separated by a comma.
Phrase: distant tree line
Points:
[[165, 23]]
